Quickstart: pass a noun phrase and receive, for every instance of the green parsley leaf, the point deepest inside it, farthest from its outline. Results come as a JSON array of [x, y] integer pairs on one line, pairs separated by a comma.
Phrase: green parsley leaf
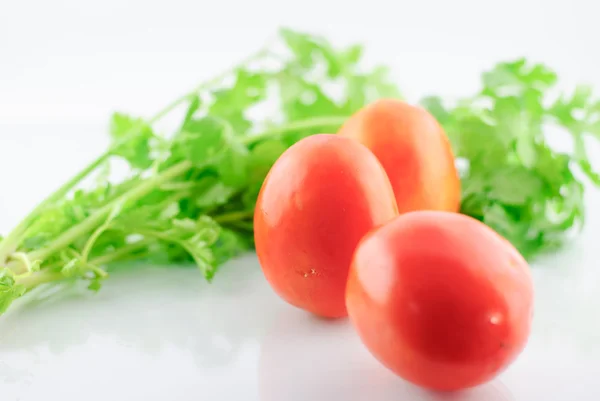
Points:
[[10, 290], [515, 181], [201, 141], [132, 140], [232, 104]]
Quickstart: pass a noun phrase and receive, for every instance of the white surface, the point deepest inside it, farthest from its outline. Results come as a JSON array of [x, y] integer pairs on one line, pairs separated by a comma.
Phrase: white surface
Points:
[[165, 334]]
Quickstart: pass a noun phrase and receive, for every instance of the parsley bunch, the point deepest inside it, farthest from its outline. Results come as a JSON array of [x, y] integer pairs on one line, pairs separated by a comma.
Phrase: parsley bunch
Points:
[[513, 179], [190, 193]]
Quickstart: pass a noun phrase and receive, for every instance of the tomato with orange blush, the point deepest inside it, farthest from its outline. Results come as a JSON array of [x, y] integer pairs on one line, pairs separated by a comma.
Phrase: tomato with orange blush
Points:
[[414, 150]]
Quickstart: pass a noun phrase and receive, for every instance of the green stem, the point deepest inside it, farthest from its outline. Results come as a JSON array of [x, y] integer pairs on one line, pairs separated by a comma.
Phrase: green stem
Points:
[[121, 252], [233, 216], [12, 240], [33, 280], [157, 235], [317, 122], [241, 225], [23, 259], [178, 186], [92, 241], [126, 257], [93, 220], [127, 250], [48, 275], [97, 271]]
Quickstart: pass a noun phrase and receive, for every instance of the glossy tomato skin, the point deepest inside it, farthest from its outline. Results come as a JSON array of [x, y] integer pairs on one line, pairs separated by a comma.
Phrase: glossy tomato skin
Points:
[[414, 150], [318, 200], [440, 299]]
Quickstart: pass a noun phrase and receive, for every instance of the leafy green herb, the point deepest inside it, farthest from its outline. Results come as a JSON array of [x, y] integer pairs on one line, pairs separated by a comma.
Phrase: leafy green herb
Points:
[[515, 181], [190, 194]]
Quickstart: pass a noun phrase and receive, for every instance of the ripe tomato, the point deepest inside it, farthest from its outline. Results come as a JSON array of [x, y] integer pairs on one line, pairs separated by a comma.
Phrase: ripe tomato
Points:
[[318, 200], [440, 299], [414, 150]]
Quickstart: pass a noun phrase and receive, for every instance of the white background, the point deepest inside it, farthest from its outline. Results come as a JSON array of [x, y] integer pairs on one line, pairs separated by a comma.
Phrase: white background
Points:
[[65, 65]]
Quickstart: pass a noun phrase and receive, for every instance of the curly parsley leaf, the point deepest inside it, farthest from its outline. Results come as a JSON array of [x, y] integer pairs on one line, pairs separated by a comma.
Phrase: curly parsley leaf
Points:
[[515, 181], [132, 137]]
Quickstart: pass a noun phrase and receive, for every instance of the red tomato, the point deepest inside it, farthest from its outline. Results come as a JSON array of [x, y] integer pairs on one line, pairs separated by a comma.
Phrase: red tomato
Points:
[[440, 299], [319, 199], [414, 150]]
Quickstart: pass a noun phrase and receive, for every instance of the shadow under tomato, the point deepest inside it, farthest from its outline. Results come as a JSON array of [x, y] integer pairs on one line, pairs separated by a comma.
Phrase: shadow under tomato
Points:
[[304, 358]]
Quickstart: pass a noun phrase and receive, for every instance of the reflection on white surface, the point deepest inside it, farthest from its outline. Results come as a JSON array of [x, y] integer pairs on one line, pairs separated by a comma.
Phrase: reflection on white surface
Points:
[[159, 328], [306, 358], [168, 334], [159, 334]]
